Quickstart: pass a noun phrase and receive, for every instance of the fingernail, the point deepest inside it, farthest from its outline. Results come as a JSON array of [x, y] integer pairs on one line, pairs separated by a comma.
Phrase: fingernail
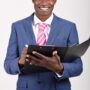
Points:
[[33, 52], [27, 60], [27, 55], [30, 63], [56, 52]]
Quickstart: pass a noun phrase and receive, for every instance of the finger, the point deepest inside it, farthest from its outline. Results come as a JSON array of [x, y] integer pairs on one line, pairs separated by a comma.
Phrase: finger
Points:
[[28, 57], [27, 60], [39, 55], [54, 53], [33, 58], [58, 58], [24, 50], [31, 63], [35, 63]]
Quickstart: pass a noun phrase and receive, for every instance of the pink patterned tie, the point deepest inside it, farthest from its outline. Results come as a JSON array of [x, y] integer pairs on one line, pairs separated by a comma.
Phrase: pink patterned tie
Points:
[[41, 39]]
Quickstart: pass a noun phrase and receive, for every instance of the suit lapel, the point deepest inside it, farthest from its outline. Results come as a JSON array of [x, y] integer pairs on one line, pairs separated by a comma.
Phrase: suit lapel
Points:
[[29, 31], [56, 28], [55, 31]]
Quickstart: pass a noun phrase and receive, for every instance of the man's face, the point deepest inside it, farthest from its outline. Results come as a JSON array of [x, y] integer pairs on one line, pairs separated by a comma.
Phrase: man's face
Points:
[[44, 7]]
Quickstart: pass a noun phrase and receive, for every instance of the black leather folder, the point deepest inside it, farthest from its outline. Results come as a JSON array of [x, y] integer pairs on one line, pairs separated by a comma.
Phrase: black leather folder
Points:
[[67, 54]]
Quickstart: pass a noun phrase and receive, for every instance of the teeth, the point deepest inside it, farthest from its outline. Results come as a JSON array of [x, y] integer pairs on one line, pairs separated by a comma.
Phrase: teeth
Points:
[[44, 8]]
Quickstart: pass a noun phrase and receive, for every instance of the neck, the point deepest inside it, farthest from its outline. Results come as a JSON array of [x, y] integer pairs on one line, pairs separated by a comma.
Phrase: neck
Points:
[[42, 17]]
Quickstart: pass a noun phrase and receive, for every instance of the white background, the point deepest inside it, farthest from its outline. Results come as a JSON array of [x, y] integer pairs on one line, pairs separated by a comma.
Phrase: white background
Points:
[[73, 10]]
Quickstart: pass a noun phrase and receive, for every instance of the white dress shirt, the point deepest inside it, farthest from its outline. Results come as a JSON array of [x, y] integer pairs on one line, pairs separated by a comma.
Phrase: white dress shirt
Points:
[[36, 28], [46, 31]]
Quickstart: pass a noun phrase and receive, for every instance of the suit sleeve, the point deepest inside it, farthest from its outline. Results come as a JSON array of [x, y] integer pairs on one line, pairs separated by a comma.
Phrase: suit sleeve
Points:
[[11, 62], [75, 67]]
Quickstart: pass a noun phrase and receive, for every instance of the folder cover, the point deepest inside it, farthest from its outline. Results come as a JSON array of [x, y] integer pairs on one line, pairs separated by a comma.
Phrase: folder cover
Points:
[[67, 54]]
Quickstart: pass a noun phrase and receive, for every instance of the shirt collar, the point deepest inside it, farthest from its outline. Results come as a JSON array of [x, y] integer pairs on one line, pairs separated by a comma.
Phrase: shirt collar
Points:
[[37, 20]]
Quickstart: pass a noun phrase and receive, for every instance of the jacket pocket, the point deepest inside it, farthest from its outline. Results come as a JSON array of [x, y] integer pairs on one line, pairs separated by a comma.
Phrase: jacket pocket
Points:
[[63, 85], [22, 84]]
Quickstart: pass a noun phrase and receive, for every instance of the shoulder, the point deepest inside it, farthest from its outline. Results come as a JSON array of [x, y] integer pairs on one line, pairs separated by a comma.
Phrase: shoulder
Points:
[[64, 21], [22, 21], [19, 22]]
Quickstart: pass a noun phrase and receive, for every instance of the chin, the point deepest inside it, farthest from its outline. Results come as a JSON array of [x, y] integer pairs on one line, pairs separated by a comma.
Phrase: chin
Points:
[[45, 14]]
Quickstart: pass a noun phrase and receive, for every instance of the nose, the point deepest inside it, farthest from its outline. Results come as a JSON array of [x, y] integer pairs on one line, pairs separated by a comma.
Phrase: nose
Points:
[[44, 2]]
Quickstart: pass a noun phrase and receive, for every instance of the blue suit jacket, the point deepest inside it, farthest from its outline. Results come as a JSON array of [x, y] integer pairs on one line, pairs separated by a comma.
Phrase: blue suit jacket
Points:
[[63, 33]]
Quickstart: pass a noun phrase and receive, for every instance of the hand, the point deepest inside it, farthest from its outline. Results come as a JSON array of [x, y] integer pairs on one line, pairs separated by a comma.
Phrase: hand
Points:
[[52, 63], [23, 57]]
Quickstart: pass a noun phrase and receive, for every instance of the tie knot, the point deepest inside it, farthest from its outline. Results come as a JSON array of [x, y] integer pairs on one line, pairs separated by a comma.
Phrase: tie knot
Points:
[[42, 26]]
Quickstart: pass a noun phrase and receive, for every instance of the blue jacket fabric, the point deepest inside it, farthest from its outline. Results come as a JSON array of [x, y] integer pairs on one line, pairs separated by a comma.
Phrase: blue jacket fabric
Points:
[[63, 33]]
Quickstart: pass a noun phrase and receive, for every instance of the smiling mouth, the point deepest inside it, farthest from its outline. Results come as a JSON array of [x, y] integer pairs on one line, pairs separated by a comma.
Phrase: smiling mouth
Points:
[[44, 8]]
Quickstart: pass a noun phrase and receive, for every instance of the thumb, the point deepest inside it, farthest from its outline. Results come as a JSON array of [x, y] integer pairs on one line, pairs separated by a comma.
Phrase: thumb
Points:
[[54, 53]]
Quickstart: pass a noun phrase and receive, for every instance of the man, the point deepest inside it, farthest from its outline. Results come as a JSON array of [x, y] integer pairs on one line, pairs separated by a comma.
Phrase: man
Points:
[[42, 28]]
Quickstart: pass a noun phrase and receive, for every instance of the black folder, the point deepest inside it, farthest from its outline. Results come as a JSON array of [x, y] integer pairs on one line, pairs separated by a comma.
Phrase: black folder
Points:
[[67, 54]]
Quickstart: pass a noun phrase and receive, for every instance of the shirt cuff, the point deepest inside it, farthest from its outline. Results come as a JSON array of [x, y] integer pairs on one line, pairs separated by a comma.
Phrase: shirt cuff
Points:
[[58, 75]]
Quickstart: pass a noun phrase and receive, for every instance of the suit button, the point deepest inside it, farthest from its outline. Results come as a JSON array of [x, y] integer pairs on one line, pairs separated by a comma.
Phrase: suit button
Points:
[[38, 82]]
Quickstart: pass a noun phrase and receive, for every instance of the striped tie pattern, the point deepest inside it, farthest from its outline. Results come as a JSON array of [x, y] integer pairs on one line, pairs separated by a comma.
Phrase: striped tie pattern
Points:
[[41, 39]]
